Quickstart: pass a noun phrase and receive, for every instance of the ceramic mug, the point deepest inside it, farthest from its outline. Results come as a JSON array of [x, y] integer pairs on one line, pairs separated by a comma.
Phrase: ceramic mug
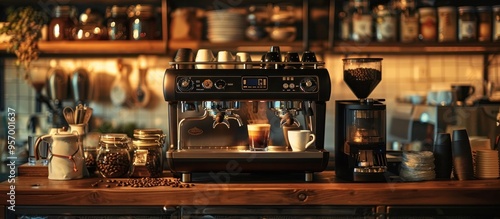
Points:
[[300, 140], [225, 56], [204, 55]]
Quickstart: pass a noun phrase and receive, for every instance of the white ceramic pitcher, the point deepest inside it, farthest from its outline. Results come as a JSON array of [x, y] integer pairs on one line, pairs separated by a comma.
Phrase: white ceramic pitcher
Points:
[[66, 159]]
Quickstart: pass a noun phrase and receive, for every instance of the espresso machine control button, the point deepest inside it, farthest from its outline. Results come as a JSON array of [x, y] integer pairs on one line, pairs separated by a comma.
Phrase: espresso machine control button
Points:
[[207, 84], [285, 86], [308, 85], [185, 84], [220, 84]]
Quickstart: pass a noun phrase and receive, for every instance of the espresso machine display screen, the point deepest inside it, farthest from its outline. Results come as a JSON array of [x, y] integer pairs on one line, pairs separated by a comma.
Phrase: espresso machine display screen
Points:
[[360, 125], [241, 113], [254, 83]]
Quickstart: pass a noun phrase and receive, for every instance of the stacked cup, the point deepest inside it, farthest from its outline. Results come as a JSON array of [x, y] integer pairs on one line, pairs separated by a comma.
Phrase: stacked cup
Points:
[[487, 164], [462, 156], [417, 166]]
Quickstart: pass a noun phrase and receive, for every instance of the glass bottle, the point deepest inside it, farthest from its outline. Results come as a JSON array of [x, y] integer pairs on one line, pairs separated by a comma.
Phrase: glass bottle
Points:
[[467, 24], [113, 158], [62, 23], [496, 23], [428, 24], [447, 24], [408, 25], [117, 23], [142, 23], [90, 26], [362, 21], [385, 24], [148, 150], [484, 23]]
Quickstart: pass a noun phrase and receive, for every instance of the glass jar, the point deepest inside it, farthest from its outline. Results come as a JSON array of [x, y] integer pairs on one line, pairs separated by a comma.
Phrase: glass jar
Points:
[[408, 25], [385, 24], [142, 23], [113, 158], [484, 23], [496, 23], [90, 26], [467, 23], [447, 24], [428, 24], [148, 150], [117, 23], [362, 21], [62, 23]]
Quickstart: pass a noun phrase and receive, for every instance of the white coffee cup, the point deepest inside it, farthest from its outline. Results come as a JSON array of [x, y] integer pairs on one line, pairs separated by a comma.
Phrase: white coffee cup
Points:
[[243, 57], [204, 55], [300, 140], [225, 56]]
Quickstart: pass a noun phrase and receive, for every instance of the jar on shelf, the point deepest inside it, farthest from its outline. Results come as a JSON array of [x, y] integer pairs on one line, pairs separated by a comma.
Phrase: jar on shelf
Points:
[[428, 24], [496, 23], [408, 25], [62, 23], [113, 158], [447, 24], [142, 23], [386, 22], [117, 23], [90, 26], [467, 23], [258, 20], [148, 150], [362, 21], [484, 23]]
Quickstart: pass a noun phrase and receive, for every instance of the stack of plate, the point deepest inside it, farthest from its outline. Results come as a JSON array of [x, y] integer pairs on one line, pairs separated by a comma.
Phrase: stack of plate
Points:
[[225, 26], [417, 166], [487, 164]]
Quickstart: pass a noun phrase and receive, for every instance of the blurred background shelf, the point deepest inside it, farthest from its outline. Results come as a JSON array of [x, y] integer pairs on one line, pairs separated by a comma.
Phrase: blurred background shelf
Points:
[[247, 46], [342, 47]]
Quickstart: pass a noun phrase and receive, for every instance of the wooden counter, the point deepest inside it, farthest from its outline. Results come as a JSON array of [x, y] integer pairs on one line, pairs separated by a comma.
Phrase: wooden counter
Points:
[[286, 189]]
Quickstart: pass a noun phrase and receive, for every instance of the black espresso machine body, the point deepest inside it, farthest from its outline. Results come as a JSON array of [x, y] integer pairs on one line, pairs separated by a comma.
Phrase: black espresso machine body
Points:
[[360, 140], [200, 100]]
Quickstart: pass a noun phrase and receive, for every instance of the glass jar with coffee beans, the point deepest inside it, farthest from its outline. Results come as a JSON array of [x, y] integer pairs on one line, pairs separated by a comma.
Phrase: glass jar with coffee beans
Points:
[[148, 149], [113, 158]]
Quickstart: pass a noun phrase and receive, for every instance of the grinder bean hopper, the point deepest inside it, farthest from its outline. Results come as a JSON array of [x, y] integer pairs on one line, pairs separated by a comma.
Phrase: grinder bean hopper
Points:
[[360, 124]]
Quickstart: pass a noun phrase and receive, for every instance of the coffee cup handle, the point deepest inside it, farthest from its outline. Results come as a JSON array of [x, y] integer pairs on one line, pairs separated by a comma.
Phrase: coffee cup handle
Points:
[[310, 142], [472, 90], [37, 143]]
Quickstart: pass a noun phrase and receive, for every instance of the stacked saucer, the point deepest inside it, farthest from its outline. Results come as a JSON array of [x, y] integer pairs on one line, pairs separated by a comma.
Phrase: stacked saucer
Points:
[[225, 26], [487, 164], [417, 166]]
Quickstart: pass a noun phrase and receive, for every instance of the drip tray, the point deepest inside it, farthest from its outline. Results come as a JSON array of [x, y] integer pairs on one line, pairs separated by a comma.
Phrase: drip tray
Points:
[[243, 160]]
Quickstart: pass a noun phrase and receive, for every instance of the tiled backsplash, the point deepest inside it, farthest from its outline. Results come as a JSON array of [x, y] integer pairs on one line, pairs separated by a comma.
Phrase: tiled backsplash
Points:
[[402, 74]]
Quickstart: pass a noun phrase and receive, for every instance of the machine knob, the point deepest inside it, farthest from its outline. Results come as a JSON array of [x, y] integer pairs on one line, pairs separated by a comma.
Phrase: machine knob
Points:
[[207, 84], [309, 85], [185, 84], [220, 84]]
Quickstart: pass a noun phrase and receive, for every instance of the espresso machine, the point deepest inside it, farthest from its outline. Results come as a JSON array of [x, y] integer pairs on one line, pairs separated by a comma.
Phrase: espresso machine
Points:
[[209, 110], [360, 140]]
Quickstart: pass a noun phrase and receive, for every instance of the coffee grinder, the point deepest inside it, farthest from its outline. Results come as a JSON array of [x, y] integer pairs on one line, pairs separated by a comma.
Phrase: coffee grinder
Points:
[[360, 144]]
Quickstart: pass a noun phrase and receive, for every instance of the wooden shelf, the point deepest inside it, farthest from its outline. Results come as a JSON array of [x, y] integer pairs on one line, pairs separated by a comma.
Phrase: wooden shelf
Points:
[[246, 46], [100, 47], [415, 48]]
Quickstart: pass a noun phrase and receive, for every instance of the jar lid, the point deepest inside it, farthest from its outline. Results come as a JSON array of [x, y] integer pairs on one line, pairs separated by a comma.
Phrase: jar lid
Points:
[[59, 10], [466, 8], [148, 133], [362, 60], [446, 9], [113, 138], [427, 10]]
